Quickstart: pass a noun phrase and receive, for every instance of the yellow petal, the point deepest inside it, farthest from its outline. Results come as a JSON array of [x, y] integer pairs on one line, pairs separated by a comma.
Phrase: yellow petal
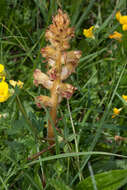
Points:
[[116, 35], [118, 15], [88, 33], [4, 93], [20, 84], [1, 68], [13, 83], [124, 27], [124, 97], [116, 111], [123, 19]]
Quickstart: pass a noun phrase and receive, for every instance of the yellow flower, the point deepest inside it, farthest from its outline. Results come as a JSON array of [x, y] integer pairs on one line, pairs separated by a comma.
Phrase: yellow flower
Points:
[[20, 84], [118, 15], [116, 112], [116, 35], [124, 27], [124, 97], [122, 20], [2, 72], [14, 83], [1, 68], [88, 33], [4, 93]]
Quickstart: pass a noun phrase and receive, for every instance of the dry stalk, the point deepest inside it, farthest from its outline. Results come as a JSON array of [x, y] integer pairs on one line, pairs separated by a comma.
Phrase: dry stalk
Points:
[[60, 65]]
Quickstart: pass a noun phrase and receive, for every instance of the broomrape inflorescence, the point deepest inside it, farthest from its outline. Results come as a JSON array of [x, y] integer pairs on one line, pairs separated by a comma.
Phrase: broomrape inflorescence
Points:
[[60, 63]]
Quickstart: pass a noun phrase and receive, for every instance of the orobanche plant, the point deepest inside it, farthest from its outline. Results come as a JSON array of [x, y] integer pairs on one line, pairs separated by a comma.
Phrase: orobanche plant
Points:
[[61, 63]]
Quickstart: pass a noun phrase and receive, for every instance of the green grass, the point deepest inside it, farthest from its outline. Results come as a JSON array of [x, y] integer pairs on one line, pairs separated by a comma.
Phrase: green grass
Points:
[[86, 145]]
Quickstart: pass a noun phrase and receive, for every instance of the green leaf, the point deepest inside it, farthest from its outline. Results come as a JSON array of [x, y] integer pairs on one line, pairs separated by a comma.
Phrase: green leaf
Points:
[[3, 8], [59, 185], [42, 6], [111, 180], [38, 180]]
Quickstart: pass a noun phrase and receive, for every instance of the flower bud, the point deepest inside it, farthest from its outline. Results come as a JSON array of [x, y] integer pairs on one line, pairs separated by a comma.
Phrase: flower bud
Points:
[[61, 19], [59, 33]]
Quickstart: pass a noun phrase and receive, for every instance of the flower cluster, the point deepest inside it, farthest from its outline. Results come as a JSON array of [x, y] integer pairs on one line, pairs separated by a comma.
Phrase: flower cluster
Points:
[[123, 21], [5, 92]]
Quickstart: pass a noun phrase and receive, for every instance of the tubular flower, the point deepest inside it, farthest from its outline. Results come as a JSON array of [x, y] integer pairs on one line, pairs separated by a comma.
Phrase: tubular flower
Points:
[[116, 112], [88, 33], [4, 92], [14, 83], [43, 100], [122, 20], [116, 35], [42, 79], [124, 97]]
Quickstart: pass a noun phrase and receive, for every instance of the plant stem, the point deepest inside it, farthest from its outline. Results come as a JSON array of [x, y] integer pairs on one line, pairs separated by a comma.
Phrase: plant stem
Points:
[[54, 97]]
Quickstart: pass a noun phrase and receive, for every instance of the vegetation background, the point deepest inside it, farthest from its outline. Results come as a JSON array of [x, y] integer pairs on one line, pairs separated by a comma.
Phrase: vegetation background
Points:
[[87, 155]]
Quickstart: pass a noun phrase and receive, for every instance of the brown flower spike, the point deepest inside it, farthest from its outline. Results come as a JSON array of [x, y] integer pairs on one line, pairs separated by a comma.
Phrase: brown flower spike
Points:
[[60, 63]]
